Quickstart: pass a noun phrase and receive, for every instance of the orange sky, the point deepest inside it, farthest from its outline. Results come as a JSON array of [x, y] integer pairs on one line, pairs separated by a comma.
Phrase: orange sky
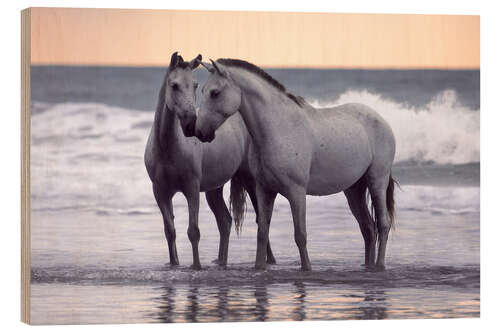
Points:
[[271, 39]]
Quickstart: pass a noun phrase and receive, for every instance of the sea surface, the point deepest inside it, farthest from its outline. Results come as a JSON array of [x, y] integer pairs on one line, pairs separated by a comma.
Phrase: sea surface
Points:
[[98, 249]]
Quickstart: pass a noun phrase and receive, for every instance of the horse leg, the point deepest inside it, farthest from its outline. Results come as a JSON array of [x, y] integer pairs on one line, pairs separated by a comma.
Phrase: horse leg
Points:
[[265, 204], [216, 203], [356, 197], [297, 199], [378, 192], [164, 201], [251, 193], [193, 198]]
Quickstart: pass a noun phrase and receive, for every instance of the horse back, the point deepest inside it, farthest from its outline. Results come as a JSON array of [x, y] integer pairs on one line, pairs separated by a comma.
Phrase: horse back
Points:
[[355, 119], [349, 139]]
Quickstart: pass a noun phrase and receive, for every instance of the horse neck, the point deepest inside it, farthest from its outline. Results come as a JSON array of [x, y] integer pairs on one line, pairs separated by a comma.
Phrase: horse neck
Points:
[[167, 128], [266, 112]]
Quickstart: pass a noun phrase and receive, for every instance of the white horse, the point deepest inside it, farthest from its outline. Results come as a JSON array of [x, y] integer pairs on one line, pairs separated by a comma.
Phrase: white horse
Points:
[[176, 163], [299, 150]]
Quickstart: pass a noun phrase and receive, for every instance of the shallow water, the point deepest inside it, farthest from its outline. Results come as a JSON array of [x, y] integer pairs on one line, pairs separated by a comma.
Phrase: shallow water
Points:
[[259, 302], [115, 268]]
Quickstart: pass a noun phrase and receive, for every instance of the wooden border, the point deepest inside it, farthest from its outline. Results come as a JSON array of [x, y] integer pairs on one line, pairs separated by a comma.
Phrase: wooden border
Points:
[[25, 165], [127, 37]]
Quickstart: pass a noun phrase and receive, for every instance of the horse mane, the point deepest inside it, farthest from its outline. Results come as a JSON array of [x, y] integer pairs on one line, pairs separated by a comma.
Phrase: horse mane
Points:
[[264, 75]]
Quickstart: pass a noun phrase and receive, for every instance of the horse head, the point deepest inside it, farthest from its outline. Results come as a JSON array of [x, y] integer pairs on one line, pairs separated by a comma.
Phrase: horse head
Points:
[[180, 91], [221, 98]]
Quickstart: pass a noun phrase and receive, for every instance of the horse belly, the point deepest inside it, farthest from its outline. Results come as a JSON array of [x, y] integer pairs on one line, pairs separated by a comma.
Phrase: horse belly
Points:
[[338, 164], [216, 175], [334, 179]]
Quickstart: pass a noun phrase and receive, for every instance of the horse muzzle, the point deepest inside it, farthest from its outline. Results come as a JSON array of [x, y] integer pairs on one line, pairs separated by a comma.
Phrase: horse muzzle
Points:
[[205, 137], [188, 125]]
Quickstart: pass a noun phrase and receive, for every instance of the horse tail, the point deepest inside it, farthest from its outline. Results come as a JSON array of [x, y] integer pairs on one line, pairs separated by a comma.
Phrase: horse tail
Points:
[[237, 202], [390, 200]]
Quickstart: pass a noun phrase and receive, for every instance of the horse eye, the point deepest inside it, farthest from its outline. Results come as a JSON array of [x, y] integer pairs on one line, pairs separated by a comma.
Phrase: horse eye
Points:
[[175, 86], [195, 85], [214, 93]]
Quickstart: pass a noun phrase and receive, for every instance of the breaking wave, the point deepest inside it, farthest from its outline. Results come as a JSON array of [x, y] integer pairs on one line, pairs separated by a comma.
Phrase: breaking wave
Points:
[[442, 132]]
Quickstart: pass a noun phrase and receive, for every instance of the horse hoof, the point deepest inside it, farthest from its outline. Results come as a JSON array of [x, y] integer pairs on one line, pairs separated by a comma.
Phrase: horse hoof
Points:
[[271, 260], [174, 262], [368, 267], [375, 268], [306, 269], [196, 267], [216, 261], [260, 267]]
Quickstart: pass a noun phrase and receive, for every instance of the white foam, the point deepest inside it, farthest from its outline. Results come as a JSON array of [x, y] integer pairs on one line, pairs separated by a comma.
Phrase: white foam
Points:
[[442, 132], [91, 155]]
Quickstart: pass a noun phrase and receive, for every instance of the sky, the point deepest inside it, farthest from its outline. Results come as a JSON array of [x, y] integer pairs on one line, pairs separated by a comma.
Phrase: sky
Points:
[[118, 37]]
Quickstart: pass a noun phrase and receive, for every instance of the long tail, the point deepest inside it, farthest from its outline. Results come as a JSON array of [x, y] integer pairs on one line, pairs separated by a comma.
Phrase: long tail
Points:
[[237, 202], [390, 200]]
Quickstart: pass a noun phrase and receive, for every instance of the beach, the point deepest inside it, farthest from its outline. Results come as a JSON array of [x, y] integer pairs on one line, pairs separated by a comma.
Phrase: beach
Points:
[[98, 251]]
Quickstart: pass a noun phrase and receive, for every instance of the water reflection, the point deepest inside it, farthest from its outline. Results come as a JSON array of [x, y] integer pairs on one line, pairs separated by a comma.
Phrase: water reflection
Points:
[[222, 302], [299, 312], [194, 303], [166, 308], [192, 307], [374, 305], [296, 301], [261, 303]]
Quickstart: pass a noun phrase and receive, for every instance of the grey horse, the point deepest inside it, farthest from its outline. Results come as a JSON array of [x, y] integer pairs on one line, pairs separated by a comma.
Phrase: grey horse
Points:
[[298, 150], [178, 162]]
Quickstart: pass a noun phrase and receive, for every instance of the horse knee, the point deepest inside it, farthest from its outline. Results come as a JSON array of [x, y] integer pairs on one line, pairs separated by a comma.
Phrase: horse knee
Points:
[[193, 234], [262, 234], [383, 228], [226, 229], [170, 233], [300, 238], [370, 235]]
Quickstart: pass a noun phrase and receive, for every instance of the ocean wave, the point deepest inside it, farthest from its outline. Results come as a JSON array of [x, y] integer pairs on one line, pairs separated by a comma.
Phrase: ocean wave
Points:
[[442, 132], [92, 153]]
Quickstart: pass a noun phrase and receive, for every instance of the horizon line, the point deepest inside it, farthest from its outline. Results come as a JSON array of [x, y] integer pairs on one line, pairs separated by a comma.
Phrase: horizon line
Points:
[[315, 67]]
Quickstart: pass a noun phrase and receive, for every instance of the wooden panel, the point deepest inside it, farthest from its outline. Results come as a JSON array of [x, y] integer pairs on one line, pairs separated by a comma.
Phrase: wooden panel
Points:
[[25, 168], [148, 37]]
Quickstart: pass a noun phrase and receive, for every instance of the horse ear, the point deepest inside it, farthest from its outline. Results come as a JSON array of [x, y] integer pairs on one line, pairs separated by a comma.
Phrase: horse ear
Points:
[[219, 69], [195, 62], [208, 67], [174, 61]]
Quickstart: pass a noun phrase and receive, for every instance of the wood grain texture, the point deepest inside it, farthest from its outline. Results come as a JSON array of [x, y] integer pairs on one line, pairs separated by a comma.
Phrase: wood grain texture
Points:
[[25, 167], [275, 39]]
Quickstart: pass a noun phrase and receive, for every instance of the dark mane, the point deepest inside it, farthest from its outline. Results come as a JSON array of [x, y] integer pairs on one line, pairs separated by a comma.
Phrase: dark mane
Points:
[[260, 72]]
